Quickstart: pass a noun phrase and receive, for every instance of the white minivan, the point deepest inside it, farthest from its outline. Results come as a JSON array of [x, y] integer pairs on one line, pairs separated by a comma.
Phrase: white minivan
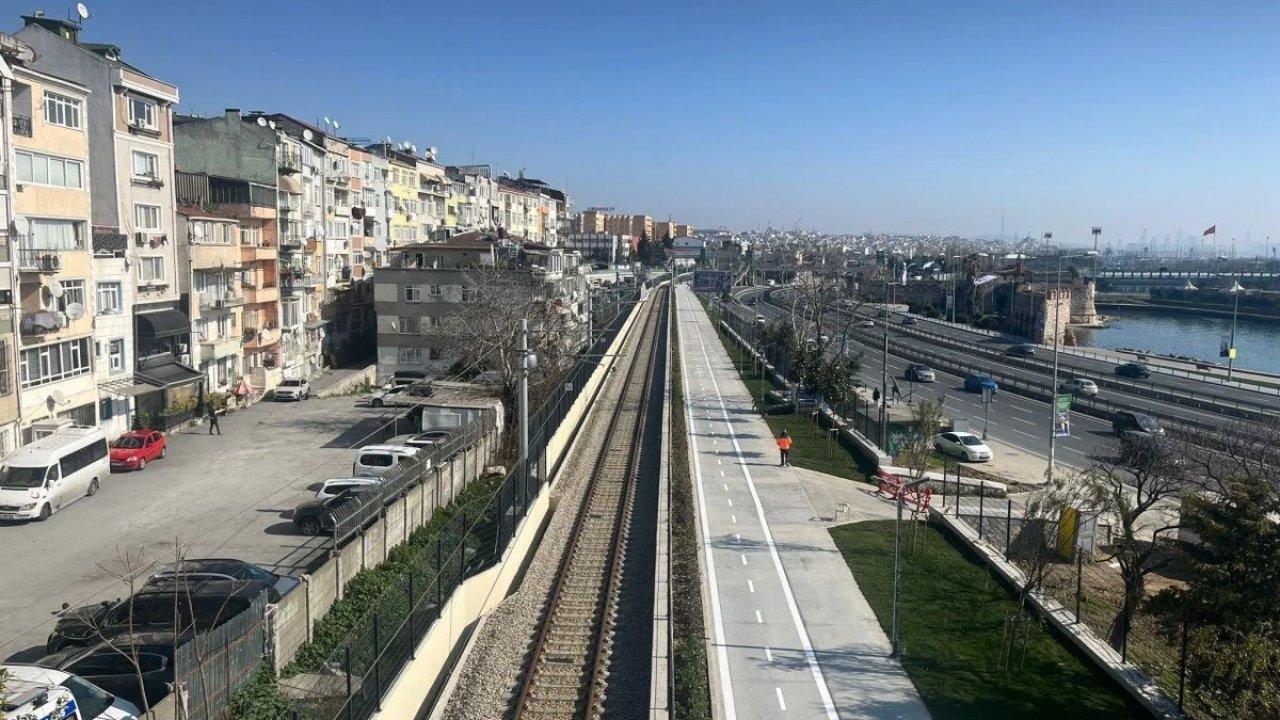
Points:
[[380, 460], [40, 479]]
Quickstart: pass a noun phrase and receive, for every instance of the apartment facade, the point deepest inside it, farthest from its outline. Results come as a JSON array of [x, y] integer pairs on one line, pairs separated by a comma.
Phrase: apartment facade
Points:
[[12, 53]]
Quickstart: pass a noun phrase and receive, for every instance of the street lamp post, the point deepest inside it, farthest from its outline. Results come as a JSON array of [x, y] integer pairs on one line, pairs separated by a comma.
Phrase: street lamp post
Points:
[[1236, 289], [894, 650], [1057, 330]]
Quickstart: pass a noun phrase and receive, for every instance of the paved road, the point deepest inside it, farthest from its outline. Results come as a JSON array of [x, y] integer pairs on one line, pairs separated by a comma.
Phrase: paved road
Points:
[[214, 496], [1191, 400], [792, 635], [1014, 419]]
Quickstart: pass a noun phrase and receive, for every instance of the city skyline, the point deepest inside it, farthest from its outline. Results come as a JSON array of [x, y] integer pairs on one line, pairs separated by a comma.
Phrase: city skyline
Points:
[[919, 118]]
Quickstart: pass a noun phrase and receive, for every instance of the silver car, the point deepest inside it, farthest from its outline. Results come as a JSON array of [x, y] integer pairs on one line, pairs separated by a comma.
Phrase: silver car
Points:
[[1078, 386]]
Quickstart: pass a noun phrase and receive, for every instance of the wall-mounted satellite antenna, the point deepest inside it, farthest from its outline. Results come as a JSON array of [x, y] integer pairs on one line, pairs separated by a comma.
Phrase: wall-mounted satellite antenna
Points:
[[336, 124], [327, 121], [75, 310], [197, 231], [262, 122], [22, 225], [56, 289], [307, 134]]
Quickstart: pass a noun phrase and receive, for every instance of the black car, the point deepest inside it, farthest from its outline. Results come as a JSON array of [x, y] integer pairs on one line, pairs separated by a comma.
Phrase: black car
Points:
[[199, 604], [1133, 370], [111, 665], [1023, 350], [1127, 424], [224, 569], [316, 516]]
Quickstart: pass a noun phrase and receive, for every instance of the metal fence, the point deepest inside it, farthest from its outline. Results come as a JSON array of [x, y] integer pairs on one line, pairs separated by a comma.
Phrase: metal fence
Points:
[[466, 538], [211, 665]]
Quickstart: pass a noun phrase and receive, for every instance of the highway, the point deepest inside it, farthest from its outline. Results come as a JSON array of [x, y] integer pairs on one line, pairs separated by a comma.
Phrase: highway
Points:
[[1014, 419], [1163, 396]]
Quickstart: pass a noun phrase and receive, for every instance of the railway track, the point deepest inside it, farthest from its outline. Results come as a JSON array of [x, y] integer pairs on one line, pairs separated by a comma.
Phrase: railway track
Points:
[[568, 673]]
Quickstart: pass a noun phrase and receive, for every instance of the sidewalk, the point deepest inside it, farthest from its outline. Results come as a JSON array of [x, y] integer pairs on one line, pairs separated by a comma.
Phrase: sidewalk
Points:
[[792, 635]]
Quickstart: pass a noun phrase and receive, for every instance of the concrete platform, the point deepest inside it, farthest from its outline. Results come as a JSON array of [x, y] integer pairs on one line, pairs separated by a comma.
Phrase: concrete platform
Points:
[[792, 635]]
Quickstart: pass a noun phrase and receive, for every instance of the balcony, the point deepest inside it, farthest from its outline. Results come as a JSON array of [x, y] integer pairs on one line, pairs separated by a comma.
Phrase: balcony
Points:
[[214, 348], [40, 260], [218, 299], [340, 210], [301, 281], [289, 162], [250, 253], [22, 125], [254, 295], [259, 338]]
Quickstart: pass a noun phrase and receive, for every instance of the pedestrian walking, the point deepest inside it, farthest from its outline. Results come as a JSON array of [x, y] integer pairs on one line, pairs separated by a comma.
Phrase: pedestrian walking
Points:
[[784, 449], [212, 412]]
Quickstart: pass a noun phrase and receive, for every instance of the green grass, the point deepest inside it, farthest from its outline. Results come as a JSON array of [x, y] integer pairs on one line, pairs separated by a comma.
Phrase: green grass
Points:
[[952, 626]]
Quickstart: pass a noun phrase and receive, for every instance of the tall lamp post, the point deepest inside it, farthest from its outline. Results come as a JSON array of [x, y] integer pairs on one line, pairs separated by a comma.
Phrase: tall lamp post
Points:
[[1057, 331], [1236, 289]]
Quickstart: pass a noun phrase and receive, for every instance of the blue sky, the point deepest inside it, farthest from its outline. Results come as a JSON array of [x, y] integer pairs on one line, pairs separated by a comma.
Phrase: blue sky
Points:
[[896, 116]]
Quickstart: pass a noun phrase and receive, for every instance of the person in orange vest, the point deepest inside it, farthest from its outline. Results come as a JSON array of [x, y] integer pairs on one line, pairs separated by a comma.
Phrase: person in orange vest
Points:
[[784, 448]]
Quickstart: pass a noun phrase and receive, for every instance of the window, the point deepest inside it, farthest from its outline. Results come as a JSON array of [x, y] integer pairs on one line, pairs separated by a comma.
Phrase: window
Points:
[[292, 312], [109, 298], [6, 381], [54, 362], [436, 292], [251, 236], [408, 324], [47, 170], [146, 217], [410, 356], [151, 270], [115, 355], [413, 293], [434, 353], [78, 460], [61, 110], [467, 294], [145, 164], [207, 231], [143, 113], [72, 293], [57, 235]]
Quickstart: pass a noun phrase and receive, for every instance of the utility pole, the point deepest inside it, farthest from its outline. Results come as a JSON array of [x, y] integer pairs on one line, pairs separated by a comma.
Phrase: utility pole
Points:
[[884, 369], [527, 363], [1053, 393]]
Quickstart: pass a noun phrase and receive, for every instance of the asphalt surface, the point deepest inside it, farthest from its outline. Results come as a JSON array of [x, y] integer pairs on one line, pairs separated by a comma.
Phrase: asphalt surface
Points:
[[1013, 419], [792, 635], [212, 496], [1175, 400]]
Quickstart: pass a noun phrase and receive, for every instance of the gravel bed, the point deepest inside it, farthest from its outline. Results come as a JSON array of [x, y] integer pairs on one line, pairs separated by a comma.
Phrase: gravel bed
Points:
[[489, 680]]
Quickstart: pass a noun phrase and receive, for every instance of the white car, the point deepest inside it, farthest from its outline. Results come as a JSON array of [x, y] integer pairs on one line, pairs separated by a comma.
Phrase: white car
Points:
[[1078, 386], [292, 389], [400, 395], [868, 323], [31, 691], [330, 488], [963, 445]]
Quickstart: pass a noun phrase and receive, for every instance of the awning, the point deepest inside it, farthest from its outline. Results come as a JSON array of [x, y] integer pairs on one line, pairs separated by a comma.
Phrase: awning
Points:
[[126, 387], [164, 323], [313, 324], [169, 375], [291, 184]]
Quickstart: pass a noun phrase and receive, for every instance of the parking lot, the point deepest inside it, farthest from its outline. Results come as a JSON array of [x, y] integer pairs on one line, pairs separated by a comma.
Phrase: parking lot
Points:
[[212, 496]]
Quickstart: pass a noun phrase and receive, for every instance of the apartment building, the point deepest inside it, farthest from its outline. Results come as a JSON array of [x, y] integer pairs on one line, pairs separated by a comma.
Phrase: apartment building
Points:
[[128, 122], [428, 283], [12, 53], [637, 226], [478, 208], [599, 247], [433, 193], [683, 230], [591, 222], [664, 230], [54, 256]]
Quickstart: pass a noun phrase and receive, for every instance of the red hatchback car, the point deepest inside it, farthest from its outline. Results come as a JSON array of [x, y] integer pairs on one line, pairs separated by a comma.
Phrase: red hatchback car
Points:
[[133, 450]]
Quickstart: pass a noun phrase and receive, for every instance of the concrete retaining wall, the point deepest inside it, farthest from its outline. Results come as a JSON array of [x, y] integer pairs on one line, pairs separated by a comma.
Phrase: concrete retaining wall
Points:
[[366, 376], [477, 596]]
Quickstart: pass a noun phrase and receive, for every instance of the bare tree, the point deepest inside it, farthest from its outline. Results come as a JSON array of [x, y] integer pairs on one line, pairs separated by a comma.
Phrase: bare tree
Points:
[[1138, 492]]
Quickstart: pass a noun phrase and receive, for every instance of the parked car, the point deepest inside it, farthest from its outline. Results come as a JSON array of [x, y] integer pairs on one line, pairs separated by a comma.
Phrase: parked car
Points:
[[1126, 423], [224, 569], [316, 516], [868, 323], [331, 488], [964, 445], [378, 460], [200, 604], [39, 691], [920, 373], [110, 665], [40, 478], [1133, 370], [133, 450], [1078, 386], [292, 389], [426, 441], [400, 395], [1023, 350], [978, 383]]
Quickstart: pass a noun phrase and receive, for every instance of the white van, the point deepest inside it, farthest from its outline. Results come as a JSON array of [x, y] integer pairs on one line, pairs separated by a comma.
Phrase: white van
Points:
[[41, 694], [378, 460], [40, 479]]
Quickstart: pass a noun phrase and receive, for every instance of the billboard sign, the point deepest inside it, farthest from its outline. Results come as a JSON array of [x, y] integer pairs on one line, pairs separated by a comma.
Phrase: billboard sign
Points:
[[712, 281], [1062, 415]]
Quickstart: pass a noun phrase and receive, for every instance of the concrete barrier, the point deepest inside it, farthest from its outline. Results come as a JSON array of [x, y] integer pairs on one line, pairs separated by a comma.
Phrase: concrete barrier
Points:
[[366, 376]]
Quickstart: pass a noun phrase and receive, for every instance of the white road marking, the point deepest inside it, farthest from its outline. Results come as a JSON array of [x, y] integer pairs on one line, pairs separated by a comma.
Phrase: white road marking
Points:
[[737, 538], [744, 558], [733, 519], [1023, 433], [751, 586], [1024, 421], [726, 486], [781, 703], [759, 618], [721, 473], [730, 502], [768, 654]]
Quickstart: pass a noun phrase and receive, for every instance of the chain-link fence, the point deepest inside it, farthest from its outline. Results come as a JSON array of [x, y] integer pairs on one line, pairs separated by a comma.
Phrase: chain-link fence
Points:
[[463, 539]]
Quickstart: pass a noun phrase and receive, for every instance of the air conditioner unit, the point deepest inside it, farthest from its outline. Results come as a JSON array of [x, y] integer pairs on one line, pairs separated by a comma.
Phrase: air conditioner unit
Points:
[[140, 238], [182, 348]]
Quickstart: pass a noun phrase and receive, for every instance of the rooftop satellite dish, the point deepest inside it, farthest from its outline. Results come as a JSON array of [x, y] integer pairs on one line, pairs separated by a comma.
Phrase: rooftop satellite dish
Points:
[[262, 122], [327, 121], [56, 289], [336, 124], [387, 140], [75, 311], [272, 123], [307, 135], [82, 11], [22, 225], [198, 231]]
